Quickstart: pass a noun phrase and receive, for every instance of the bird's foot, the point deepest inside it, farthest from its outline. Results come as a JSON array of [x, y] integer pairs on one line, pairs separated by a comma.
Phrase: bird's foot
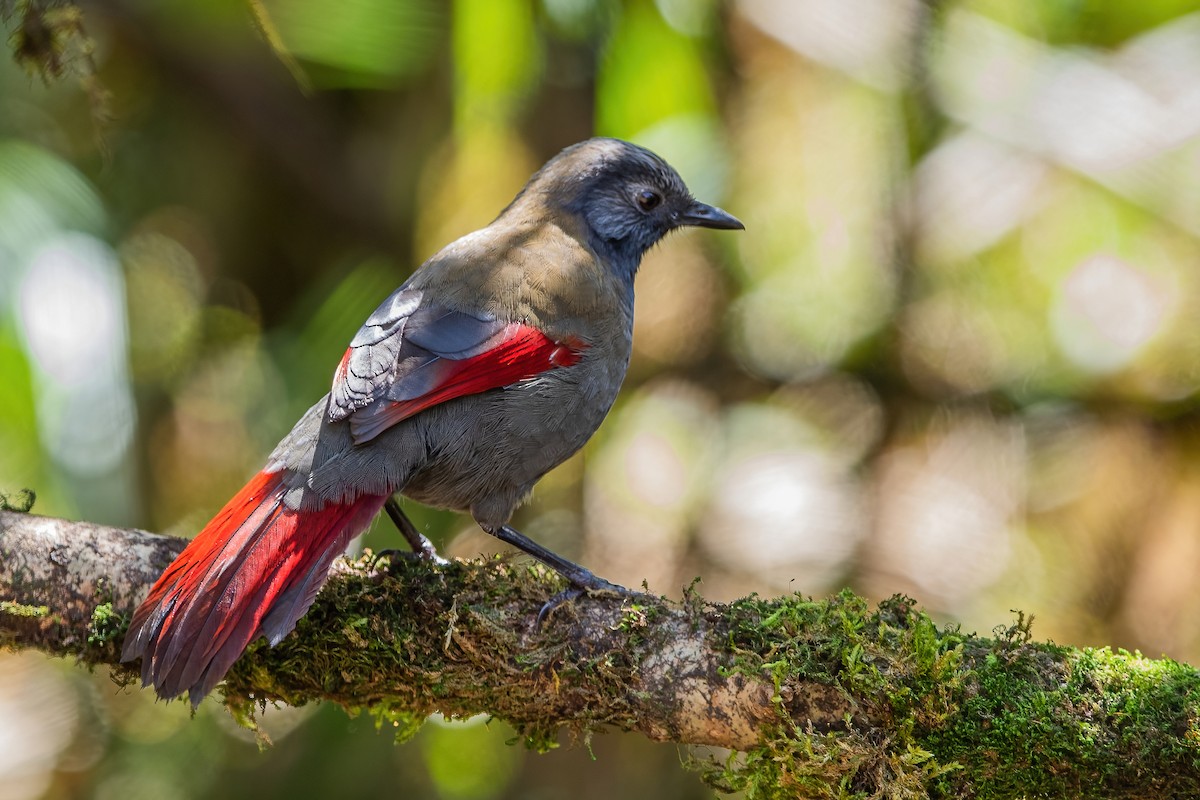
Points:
[[582, 582], [391, 554], [427, 552], [420, 544], [552, 605], [581, 579]]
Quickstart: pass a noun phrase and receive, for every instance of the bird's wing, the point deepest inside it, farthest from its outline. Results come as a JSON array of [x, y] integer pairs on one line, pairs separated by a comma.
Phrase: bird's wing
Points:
[[410, 355]]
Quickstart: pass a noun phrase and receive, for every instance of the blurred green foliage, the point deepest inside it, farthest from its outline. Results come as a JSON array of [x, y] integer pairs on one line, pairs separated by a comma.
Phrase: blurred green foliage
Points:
[[368, 44], [954, 354]]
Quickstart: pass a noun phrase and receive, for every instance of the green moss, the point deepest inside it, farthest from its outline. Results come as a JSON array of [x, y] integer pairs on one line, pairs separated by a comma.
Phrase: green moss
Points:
[[539, 739], [1089, 723], [890, 663], [106, 626], [911, 709], [636, 617], [411, 641], [797, 763], [388, 656], [403, 723], [953, 715], [21, 502], [23, 610]]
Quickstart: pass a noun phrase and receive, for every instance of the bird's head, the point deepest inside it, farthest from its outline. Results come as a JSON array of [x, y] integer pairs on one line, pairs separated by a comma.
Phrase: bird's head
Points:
[[627, 197]]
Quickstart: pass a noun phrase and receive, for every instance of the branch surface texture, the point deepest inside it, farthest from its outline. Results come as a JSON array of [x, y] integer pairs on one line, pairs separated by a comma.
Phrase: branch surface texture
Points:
[[829, 698]]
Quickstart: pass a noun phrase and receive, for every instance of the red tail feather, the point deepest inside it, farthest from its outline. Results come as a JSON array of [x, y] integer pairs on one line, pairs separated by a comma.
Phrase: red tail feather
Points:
[[254, 570]]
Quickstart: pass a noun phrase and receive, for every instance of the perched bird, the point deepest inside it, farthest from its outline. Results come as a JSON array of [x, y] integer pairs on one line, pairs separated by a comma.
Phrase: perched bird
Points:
[[491, 365]]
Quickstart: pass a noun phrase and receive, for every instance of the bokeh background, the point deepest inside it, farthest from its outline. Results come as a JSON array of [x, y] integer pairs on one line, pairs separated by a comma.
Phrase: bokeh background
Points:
[[955, 354]]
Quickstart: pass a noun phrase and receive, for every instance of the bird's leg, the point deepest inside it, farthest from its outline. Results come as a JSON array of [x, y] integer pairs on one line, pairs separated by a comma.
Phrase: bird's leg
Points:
[[581, 579], [420, 545]]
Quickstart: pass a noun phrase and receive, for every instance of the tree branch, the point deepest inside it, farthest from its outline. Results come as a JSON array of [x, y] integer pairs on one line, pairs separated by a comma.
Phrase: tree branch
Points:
[[825, 698]]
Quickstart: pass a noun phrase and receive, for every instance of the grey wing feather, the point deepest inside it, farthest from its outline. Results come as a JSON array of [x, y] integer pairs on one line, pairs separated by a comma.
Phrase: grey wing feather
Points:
[[401, 350], [450, 334], [384, 320], [366, 369]]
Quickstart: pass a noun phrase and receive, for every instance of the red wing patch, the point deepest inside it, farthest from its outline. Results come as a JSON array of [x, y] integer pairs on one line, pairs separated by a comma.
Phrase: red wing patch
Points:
[[520, 352]]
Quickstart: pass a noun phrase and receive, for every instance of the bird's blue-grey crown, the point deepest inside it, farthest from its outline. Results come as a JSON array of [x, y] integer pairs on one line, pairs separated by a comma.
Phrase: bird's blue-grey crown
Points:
[[628, 197]]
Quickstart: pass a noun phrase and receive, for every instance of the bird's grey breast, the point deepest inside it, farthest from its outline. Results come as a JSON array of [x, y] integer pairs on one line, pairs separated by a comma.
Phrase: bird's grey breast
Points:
[[505, 439]]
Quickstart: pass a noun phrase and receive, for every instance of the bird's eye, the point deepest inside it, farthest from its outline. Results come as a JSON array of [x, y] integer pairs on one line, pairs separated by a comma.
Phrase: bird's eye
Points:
[[648, 200]]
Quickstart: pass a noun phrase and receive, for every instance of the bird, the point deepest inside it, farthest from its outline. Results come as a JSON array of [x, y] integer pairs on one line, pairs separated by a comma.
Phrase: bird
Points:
[[493, 363]]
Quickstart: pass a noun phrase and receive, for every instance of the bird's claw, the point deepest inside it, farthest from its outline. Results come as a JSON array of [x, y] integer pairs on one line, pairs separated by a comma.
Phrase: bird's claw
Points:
[[420, 544], [565, 596], [580, 585], [389, 554]]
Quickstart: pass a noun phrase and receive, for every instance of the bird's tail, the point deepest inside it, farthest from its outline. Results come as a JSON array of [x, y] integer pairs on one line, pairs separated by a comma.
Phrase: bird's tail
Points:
[[254, 570]]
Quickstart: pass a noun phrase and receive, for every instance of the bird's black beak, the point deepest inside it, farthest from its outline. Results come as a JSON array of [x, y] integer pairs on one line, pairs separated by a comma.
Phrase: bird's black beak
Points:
[[706, 216]]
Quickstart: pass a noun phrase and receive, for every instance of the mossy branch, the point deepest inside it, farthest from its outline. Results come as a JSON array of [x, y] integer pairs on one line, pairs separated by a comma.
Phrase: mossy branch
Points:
[[828, 698]]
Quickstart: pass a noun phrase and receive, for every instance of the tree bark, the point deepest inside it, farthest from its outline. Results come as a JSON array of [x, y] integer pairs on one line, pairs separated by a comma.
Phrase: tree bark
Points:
[[826, 698]]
